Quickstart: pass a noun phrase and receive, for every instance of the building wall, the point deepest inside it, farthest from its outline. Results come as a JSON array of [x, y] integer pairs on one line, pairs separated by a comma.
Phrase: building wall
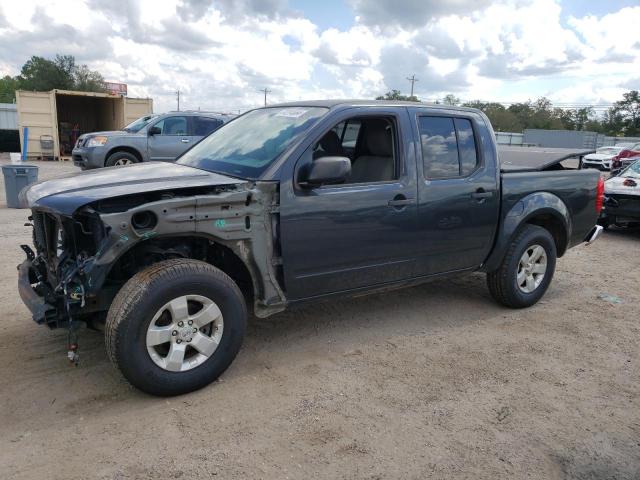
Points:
[[8, 116]]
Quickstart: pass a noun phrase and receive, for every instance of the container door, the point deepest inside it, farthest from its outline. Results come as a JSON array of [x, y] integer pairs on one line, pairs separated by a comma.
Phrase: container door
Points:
[[36, 110], [135, 108]]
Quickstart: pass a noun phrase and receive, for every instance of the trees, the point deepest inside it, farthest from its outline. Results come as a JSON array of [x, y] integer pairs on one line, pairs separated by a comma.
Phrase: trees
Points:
[[396, 95], [42, 74], [86, 80], [8, 87], [625, 114]]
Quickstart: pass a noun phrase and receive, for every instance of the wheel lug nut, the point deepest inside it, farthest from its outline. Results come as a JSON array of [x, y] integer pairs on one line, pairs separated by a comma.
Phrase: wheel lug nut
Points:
[[180, 324], [178, 341], [174, 333], [195, 330], [190, 322], [188, 340]]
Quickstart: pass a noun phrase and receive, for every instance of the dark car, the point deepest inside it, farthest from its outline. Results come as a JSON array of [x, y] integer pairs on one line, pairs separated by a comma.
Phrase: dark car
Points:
[[150, 138], [285, 205]]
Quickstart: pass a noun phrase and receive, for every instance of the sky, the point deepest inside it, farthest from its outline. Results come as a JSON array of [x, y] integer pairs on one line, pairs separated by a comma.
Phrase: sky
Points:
[[220, 53]]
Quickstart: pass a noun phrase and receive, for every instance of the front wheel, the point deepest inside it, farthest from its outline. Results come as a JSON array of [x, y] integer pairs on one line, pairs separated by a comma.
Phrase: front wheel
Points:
[[526, 270], [175, 326], [118, 159]]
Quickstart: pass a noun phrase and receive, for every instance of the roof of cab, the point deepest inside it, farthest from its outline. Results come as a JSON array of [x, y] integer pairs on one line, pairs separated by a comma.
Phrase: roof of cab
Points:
[[364, 103]]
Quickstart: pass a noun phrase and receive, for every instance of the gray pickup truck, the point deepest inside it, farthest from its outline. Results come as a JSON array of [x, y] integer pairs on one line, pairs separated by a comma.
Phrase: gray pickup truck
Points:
[[285, 205], [150, 138]]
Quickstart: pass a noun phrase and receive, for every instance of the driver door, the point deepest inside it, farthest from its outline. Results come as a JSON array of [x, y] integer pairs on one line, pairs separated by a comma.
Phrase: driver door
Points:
[[173, 140], [358, 234]]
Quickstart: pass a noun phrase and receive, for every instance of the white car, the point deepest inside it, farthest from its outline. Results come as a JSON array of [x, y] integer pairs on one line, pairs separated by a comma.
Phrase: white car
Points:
[[604, 155], [622, 198]]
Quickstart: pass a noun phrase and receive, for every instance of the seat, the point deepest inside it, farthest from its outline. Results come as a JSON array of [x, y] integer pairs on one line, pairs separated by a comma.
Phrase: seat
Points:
[[377, 165], [330, 145]]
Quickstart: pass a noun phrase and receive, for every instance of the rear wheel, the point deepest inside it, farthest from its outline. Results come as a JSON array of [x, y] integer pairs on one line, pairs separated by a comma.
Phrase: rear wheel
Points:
[[175, 327], [118, 159], [526, 270]]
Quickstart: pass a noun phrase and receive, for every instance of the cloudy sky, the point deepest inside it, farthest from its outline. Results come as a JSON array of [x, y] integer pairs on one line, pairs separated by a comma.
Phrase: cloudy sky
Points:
[[219, 53]]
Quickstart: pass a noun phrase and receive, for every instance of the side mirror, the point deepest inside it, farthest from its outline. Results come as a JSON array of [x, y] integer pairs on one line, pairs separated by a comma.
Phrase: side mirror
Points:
[[325, 171], [154, 131]]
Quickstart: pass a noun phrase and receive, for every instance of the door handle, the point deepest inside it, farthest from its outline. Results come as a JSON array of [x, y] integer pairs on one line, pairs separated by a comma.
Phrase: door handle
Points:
[[480, 195], [400, 201], [185, 140]]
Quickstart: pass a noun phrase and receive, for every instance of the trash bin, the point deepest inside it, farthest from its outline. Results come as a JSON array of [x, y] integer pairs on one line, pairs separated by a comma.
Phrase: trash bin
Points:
[[16, 177]]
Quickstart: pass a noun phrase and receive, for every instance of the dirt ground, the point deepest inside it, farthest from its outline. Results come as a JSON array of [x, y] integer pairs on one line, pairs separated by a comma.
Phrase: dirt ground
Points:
[[436, 381]]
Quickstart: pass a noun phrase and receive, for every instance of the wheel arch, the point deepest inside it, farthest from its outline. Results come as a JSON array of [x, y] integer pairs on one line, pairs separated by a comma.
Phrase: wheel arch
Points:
[[200, 247], [543, 209], [124, 148]]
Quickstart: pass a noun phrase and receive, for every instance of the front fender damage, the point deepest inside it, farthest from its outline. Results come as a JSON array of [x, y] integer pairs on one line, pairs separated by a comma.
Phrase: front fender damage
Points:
[[242, 218]]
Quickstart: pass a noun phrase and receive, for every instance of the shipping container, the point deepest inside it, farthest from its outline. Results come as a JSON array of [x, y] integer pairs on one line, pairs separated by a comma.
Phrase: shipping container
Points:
[[64, 115]]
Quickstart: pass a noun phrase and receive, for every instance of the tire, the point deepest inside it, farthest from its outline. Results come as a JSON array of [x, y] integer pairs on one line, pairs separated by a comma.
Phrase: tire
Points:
[[149, 297], [504, 283], [117, 159]]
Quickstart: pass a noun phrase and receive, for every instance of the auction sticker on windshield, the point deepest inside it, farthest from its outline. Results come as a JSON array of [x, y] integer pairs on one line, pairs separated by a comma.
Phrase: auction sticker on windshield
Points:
[[291, 112]]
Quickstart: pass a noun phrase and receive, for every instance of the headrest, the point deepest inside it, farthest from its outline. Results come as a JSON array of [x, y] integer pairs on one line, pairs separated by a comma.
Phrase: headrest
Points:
[[379, 141], [330, 143]]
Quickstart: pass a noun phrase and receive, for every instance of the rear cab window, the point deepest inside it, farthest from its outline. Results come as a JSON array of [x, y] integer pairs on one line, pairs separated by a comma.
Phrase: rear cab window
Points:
[[449, 147]]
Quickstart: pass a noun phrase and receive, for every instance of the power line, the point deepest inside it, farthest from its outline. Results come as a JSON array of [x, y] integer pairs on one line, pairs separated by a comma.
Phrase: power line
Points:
[[265, 91]]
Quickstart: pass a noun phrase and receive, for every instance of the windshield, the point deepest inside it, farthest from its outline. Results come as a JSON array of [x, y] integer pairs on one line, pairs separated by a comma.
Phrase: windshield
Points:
[[632, 170], [246, 146], [604, 150], [139, 124]]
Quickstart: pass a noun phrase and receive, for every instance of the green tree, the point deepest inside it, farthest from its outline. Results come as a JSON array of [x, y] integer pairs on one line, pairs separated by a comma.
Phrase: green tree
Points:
[[396, 95], [451, 99], [41, 74], [628, 111], [8, 87], [86, 80]]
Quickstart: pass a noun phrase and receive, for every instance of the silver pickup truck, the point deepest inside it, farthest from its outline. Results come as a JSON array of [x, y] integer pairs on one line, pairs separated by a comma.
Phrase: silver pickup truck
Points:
[[152, 137]]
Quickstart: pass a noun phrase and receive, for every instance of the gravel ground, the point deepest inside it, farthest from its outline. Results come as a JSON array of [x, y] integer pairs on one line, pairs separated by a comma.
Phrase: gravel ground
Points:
[[434, 381]]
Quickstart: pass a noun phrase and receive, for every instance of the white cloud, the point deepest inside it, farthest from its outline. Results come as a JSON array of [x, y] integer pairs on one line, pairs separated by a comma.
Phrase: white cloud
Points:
[[219, 54]]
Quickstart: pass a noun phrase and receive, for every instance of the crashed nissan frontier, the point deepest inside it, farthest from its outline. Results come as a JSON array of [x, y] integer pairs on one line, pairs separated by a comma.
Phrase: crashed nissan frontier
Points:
[[284, 205]]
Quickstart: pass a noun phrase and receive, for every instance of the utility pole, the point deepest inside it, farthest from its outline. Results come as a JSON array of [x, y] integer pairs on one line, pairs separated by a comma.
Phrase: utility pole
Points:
[[265, 91], [178, 97], [413, 80]]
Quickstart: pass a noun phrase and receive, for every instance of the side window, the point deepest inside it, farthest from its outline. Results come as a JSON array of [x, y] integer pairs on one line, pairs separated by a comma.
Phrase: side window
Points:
[[205, 125], [347, 132], [448, 147], [466, 146], [372, 157], [172, 126]]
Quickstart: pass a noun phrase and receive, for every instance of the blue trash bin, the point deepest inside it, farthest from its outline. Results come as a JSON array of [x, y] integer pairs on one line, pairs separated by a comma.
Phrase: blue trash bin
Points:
[[16, 177]]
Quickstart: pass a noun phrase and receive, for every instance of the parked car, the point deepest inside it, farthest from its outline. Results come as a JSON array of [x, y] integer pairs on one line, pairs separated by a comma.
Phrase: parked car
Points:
[[622, 198], [620, 163], [279, 207], [152, 137], [604, 157]]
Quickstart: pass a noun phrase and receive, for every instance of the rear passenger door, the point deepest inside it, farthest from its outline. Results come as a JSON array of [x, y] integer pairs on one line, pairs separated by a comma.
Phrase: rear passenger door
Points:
[[458, 198], [173, 140]]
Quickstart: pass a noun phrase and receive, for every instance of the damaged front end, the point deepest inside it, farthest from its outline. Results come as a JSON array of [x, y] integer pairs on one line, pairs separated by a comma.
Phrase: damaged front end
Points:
[[81, 260], [52, 279]]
